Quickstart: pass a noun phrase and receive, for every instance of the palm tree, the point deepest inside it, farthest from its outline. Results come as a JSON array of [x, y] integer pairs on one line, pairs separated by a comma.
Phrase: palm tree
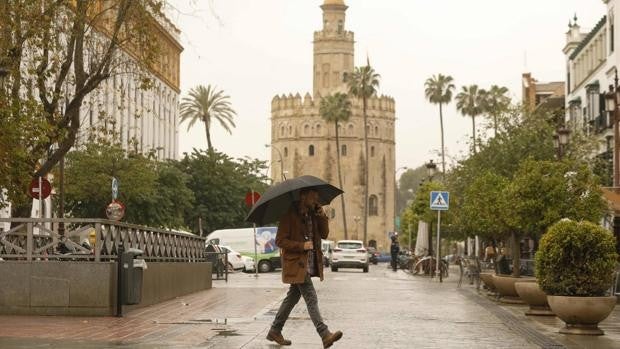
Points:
[[336, 108], [205, 104], [438, 90], [469, 102], [363, 84], [496, 102]]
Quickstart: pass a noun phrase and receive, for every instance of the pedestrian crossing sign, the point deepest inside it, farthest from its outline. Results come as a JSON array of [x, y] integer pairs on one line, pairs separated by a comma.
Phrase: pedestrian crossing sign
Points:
[[440, 200]]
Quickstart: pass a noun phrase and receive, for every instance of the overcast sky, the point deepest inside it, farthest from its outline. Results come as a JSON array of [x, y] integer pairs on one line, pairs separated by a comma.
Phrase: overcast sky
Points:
[[256, 49]]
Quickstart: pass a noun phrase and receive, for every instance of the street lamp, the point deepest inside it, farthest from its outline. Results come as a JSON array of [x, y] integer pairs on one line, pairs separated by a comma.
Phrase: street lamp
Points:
[[281, 160], [395, 194], [560, 140], [431, 167], [611, 105]]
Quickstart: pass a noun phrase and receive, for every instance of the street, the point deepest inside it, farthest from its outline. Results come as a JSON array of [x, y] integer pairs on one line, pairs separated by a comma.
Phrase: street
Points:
[[379, 309]]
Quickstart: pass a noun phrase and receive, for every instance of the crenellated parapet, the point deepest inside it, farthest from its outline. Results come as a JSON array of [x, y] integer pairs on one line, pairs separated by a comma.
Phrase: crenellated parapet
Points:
[[327, 35], [281, 103]]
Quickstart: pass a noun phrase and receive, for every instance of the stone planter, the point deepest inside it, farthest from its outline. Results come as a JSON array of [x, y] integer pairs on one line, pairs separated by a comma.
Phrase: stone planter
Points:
[[530, 292], [487, 279], [582, 314], [505, 286]]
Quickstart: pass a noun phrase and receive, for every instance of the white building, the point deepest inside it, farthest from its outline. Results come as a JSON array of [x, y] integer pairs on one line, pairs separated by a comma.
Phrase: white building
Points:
[[591, 62]]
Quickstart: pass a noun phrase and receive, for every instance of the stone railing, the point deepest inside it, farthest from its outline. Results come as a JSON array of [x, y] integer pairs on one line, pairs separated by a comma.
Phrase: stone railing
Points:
[[94, 239]]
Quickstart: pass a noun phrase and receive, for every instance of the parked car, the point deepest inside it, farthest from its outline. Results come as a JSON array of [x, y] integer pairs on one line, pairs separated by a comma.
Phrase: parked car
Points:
[[235, 261], [326, 247], [248, 263], [349, 254], [373, 255], [243, 240], [384, 257]]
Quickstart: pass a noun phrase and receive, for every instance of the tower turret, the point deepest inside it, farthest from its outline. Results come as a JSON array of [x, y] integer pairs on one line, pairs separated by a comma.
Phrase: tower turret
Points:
[[333, 50]]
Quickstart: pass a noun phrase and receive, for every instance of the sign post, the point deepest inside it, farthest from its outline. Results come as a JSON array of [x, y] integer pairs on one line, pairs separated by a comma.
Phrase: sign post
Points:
[[250, 200], [440, 201], [40, 188]]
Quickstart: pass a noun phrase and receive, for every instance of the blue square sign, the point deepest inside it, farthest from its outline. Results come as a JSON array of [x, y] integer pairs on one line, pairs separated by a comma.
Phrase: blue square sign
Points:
[[440, 200]]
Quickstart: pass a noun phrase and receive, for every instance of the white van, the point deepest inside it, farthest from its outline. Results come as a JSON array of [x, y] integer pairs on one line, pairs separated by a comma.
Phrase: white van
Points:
[[242, 241]]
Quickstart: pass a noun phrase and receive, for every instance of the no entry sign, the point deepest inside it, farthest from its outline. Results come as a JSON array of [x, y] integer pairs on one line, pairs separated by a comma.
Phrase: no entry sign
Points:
[[43, 192], [251, 198]]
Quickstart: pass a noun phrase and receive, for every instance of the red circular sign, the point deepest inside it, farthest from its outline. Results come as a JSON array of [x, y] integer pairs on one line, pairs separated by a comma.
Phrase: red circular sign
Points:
[[115, 210], [45, 190], [251, 200]]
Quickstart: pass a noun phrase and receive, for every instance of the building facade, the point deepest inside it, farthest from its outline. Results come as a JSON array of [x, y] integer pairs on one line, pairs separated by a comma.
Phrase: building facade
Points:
[[303, 143], [144, 120]]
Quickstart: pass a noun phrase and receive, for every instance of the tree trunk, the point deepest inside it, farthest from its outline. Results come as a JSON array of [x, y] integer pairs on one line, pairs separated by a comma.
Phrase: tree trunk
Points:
[[365, 171], [473, 136], [443, 157], [209, 146], [344, 215], [516, 255]]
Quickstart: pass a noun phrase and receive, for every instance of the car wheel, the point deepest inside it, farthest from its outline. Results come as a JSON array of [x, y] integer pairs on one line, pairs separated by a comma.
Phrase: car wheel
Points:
[[334, 269], [365, 269], [264, 267]]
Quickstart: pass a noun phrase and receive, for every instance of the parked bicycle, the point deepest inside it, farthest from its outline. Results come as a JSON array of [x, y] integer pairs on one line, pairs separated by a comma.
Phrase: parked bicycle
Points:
[[428, 266]]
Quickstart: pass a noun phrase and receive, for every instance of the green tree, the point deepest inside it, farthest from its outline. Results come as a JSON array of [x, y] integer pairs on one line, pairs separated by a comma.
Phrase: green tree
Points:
[[438, 89], [206, 104], [56, 56], [496, 103], [363, 84], [469, 102], [219, 184], [337, 108], [155, 193], [408, 185]]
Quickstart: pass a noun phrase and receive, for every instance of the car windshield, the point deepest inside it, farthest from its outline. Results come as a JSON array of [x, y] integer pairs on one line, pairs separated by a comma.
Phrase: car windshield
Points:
[[350, 245], [225, 249]]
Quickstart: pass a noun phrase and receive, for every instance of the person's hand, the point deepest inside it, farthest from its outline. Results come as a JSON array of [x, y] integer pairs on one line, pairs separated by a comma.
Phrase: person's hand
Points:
[[308, 245]]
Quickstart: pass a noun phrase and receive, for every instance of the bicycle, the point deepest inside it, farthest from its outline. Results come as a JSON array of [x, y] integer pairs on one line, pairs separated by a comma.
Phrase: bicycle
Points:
[[428, 264]]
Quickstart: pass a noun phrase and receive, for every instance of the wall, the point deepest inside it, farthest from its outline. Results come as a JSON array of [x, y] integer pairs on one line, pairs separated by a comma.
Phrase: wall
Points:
[[89, 288]]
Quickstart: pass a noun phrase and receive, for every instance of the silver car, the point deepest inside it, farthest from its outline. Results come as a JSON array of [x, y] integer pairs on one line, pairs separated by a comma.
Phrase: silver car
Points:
[[349, 254]]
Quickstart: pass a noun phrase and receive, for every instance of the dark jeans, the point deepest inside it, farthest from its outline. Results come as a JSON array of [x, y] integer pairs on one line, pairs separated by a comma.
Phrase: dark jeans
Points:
[[394, 262], [295, 292]]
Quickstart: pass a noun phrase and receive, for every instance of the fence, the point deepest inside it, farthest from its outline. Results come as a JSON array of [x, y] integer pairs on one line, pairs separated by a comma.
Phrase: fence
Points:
[[94, 239]]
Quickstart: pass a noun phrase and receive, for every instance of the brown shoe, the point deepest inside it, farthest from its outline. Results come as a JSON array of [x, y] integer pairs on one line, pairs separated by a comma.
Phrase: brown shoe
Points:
[[331, 338], [277, 337]]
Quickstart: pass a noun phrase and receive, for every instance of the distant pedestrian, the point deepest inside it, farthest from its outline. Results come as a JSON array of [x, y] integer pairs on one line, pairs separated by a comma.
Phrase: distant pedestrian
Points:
[[394, 250], [299, 237]]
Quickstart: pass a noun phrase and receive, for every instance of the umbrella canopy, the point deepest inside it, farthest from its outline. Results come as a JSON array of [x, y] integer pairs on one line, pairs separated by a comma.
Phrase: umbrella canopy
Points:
[[278, 199]]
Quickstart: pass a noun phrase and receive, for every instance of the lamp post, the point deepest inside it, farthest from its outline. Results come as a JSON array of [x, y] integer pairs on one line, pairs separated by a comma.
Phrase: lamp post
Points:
[[396, 195], [611, 105], [282, 177], [560, 140], [431, 168]]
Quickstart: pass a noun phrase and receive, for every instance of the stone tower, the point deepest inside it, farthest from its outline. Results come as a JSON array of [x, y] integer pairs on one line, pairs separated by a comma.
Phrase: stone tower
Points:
[[303, 143]]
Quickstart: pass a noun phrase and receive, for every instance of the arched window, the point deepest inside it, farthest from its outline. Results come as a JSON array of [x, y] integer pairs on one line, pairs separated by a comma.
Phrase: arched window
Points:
[[281, 130], [376, 130], [343, 150], [318, 129], [285, 151], [372, 151], [306, 130], [290, 130], [373, 207], [340, 27], [351, 130], [311, 150]]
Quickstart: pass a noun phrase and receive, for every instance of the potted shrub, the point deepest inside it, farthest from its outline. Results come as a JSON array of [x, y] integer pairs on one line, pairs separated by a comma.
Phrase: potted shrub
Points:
[[574, 267]]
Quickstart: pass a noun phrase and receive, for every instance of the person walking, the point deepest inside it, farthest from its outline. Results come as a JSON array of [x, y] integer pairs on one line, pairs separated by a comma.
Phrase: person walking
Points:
[[299, 237], [394, 250]]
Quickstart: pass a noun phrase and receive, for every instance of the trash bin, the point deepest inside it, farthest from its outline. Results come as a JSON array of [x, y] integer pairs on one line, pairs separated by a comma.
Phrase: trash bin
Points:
[[133, 273]]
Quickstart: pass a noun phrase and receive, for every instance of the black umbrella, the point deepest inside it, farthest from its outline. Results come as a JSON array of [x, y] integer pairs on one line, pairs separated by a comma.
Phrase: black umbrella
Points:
[[277, 200]]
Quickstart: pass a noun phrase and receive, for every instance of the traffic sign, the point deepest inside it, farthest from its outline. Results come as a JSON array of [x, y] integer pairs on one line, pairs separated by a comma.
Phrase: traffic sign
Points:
[[115, 211], [114, 188], [44, 191], [440, 200], [251, 198]]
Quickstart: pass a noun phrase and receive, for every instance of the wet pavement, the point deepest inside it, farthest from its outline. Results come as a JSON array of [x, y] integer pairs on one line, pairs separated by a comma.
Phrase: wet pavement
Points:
[[379, 309]]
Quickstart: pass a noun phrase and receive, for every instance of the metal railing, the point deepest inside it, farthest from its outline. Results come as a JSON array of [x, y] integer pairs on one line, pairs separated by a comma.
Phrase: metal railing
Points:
[[39, 239]]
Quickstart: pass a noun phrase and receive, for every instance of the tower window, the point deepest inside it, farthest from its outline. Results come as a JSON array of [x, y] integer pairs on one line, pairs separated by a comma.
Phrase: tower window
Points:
[[373, 207], [372, 151], [311, 150], [376, 130], [285, 151], [343, 150], [340, 27]]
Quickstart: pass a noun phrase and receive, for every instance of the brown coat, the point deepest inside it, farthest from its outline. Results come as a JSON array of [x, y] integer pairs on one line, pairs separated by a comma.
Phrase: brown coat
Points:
[[290, 239]]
